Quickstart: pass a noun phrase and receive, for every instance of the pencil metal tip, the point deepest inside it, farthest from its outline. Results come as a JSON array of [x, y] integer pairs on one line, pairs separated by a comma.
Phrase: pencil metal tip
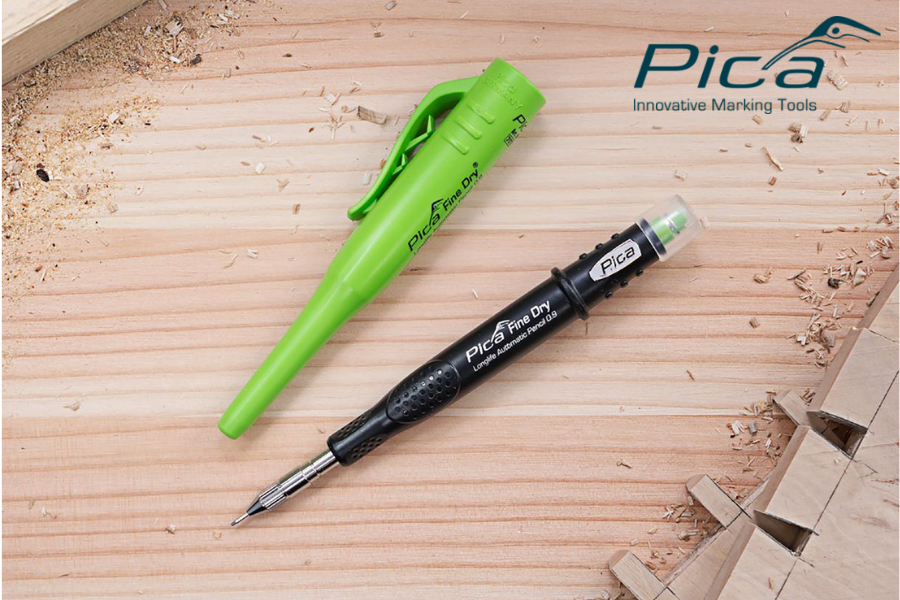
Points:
[[239, 519]]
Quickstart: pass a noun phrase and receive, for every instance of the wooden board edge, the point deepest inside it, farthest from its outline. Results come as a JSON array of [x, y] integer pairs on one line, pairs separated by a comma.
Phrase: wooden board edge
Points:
[[49, 34]]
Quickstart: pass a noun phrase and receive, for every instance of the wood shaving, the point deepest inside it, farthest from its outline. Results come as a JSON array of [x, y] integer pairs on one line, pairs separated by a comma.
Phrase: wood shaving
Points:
[[775, 162], [252, 253], [622, 463], [836, 79], [754, 322], [366, 114], [174, 27], [757, 119], [764, 278], [170, 529], [800, 132], [679, 174]]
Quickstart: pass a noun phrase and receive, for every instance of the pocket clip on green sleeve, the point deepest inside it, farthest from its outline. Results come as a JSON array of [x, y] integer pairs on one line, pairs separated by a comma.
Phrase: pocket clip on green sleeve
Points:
[[427, 174]]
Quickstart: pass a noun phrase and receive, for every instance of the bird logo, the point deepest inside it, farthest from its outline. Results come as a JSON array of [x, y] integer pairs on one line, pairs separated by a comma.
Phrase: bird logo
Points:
[[830, 29]]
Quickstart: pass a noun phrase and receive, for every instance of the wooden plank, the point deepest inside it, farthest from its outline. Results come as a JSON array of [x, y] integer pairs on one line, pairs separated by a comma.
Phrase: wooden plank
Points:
[[802, 483], [856, 552], [856, 382], [635, 576], [34, 30], [887, 321], [693, 579], [756, 568], [877, 454], [883, 316]]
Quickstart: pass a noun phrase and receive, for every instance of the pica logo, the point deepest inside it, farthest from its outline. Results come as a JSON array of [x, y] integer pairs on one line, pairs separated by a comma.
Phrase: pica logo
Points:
[[828, 30], [615, 260], [834, 28]]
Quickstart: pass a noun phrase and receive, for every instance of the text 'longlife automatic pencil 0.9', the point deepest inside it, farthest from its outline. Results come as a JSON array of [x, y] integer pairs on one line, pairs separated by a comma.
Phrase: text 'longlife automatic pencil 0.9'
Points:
[[486, 350]]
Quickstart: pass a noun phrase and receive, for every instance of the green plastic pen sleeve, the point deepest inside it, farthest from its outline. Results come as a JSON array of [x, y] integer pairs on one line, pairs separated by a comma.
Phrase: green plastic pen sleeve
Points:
[[429, 171]]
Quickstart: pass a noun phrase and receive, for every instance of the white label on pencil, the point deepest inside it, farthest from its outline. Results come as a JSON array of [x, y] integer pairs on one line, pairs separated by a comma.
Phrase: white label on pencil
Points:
[[615, 260]]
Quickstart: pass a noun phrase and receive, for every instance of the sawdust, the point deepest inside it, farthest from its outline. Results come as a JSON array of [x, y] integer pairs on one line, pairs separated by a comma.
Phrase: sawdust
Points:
[[50, 177], [64, 152]]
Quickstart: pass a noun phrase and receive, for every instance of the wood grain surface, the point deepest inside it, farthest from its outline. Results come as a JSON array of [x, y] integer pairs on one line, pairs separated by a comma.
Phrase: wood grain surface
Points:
[[514, 492]]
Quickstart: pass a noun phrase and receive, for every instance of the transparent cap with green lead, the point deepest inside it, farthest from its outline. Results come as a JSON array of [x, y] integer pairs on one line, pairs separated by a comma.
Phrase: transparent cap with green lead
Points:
[[670, 226]]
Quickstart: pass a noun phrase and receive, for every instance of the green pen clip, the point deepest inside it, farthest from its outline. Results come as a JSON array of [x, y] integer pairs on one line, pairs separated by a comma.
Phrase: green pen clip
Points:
[[429, 171], [439, 100]]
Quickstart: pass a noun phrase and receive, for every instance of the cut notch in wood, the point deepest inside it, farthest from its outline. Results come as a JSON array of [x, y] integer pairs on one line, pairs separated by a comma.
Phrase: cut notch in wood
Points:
[[790, 535], [843, 435]]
